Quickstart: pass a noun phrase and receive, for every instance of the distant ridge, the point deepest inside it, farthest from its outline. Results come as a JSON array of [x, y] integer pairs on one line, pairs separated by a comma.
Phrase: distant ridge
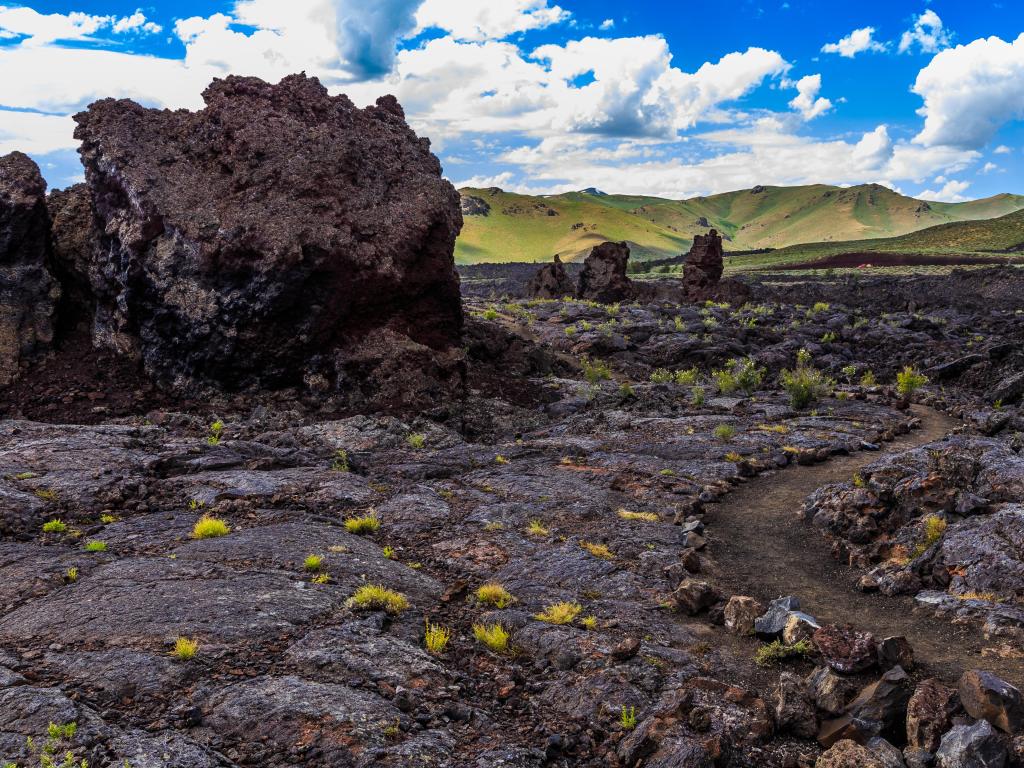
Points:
[[513, 227]]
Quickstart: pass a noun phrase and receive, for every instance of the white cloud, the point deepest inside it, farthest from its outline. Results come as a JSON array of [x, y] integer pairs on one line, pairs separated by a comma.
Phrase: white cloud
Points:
[[608, 24], [858, 41], [1002, 149], [43, 29], [988, 168], [807, 102], [971, 91], [949, 193], [927, 33], [34, 133], [479, 20]]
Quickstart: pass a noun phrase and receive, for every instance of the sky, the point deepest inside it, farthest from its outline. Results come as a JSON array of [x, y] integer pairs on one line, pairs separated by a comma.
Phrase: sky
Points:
[[663, 97]]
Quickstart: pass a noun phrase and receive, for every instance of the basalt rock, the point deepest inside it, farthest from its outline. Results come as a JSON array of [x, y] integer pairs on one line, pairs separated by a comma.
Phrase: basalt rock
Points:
[[261, 241], [604, 277], [702, 273], [551, 282], [28, 292], [75, 239]]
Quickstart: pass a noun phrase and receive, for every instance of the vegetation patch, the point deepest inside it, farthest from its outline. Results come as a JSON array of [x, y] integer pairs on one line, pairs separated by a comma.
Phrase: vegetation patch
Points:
[[210, 527], [495, 595], [560, 613], [363, 525], [775, 652], [494, 636], [374, 597]]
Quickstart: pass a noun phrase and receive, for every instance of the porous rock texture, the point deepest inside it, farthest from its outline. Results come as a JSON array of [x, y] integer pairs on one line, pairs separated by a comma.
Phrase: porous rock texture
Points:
[[551, 282], [603, 278], [28, 292], [702, 273], [278, 235]]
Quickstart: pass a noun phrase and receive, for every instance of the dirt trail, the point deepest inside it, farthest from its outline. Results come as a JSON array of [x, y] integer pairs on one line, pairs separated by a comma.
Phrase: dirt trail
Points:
[[762, 548]]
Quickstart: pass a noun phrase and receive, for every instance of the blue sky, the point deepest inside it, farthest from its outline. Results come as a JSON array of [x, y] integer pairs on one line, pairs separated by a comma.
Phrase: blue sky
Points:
[[658, 97]]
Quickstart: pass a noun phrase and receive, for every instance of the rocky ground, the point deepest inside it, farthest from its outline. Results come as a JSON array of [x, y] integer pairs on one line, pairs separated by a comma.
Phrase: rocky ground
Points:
[[584, 485]]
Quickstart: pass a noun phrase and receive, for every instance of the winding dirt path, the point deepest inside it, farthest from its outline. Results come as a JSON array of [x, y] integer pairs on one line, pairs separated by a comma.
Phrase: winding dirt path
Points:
[[762, 548]]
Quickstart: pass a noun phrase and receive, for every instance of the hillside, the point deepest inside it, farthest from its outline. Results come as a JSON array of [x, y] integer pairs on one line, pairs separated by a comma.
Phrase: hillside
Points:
[[984, 238], [503, 226]]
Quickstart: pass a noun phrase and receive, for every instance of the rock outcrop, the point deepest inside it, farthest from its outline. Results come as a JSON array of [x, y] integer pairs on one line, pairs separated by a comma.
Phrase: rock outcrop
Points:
[[702, 273], [551, 282], [278, 236], [28, 292], [604, 277]]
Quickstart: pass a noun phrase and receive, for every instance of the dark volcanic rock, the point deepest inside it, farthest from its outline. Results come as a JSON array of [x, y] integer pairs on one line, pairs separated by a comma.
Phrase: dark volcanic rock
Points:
[[75, 239], [986, 697], [258, 241], [474, 206], [974, 746], [604, 274], [551, 282], [28, 293], [702, 273], [846, 650], [930, 714]]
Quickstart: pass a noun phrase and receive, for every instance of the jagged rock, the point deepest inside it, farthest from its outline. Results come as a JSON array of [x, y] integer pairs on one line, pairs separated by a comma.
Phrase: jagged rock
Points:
[[771, 625], [971, 746], [694, 596], [930, 714], [740, 613], [885, 752], [267, 235], [987, 697], [474, 206], [895, 652], [551, 282], [75, 240], [702, 273], [28, 292], [845, 649], [793, 708], [879, 708], [604, 277], [1009, 389], [830, 691], [798, 628]]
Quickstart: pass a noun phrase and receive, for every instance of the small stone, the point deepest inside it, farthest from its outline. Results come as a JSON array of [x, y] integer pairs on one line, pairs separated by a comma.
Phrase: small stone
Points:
[[627, 649], [740, 613], [845, 649], [895, 652], [798, 628], [694, 596], [831, 692]]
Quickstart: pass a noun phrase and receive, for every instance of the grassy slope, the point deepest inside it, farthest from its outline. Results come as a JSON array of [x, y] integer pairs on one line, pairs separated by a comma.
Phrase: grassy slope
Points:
[[979, 237], [519, 229]]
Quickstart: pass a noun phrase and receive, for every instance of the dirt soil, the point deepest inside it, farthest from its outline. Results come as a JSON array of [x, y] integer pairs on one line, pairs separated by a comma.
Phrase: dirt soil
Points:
[[875, 259]]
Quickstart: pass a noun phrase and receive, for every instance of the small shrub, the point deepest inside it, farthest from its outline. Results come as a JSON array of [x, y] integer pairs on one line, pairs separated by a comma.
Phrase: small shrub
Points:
[[95, 546], [491, 313], [495, 595], [55, 526], [595, 371], [216, 433], [820, 306], [589, 622], [725, 431], [536, 528], [697, 397], [389, 552], [627, 718], [494, 636], [687, 378], [725, 381], [829, 338], [313, 563], [107, 519], [374, 597], [46, 494], [734, 457], [185, 649], [776, 651], [778, 429], [626, 390], [805, 385], [868, 379], [858, 480], [748, 375], [645, 517], [849, 371], [340, 463], [71, 575], [321, 578], [908, 381], [667, 472], [597, 550], [364, 524], [416, 440], [209, 527], [499, 459], [570, 330], [662, 376], [560, 613], [436, 638]]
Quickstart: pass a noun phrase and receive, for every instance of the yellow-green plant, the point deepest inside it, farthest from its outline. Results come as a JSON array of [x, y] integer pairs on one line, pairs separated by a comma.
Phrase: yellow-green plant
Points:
[[494, 594], [560, 613], [597, 550], [494, 636], [340, 462], [644, 517], [368, 523], [95, 546], [210, 527], [627, 718], [536, 528], [216, 433], [313, 563], [55, 526], [416, 440], [908, 381], [185, 649], [373, 597], [436, 638]]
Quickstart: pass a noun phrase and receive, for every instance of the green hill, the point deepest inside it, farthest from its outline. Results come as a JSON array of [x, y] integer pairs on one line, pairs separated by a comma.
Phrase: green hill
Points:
[[1002, 237], [503, 226]]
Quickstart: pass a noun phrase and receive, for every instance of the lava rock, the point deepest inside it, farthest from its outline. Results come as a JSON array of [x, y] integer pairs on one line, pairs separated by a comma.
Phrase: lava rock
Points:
[[930, 714], [694, 596], [848, 754], [28, 292], [551, 282], [603, 278], [971, 746], [986, 697], [793, 708], [257, 242], [895, 652], [740, 613], [845, 649], [771, 625]]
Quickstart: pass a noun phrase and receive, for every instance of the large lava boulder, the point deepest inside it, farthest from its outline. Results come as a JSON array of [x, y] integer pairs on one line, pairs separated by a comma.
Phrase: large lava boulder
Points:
[[28, 292], [604, 277], [551, 282], [277, 236], [702, 273]]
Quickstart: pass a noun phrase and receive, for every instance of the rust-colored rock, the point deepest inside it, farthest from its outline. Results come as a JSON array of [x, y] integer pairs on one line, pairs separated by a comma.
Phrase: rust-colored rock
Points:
[[28, 292], [987, 697], [845, 649], [551, 282], [256, 242], [930, 714], [604, 277]]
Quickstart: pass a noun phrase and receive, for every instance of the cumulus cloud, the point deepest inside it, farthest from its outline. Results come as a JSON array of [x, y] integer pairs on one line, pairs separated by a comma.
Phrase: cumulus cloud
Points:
[[608, 24], [807, 102], [41, 29], [858, 41], [970, 91], [949, 193], [479, 20], [1002, 149], [927, 34], [35, 133]]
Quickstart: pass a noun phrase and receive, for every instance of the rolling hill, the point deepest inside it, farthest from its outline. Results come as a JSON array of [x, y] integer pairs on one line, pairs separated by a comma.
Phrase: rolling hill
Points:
[[503, 226]]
